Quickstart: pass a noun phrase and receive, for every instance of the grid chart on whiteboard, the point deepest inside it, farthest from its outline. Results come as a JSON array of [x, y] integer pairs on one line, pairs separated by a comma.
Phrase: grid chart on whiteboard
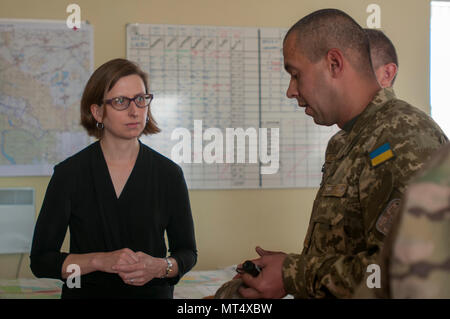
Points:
[[227, 77]]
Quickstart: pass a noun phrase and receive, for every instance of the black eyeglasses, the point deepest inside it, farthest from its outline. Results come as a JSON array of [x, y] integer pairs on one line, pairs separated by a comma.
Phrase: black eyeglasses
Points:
[[121, 103]]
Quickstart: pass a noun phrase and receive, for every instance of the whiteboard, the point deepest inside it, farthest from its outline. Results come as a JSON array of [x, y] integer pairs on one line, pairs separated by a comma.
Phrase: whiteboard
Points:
[[210, 77]]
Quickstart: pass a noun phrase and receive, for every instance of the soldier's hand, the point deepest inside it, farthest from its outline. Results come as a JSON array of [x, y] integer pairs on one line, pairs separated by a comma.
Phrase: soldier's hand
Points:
[[262, 252], [269, 282]]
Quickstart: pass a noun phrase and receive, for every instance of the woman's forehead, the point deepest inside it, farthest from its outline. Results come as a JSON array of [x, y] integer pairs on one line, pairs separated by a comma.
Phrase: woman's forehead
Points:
[[130, 84]]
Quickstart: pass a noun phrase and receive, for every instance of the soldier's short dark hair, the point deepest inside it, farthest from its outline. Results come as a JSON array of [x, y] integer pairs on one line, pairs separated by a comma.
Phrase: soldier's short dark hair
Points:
[[325, 29], [381, 47], [100, 83]]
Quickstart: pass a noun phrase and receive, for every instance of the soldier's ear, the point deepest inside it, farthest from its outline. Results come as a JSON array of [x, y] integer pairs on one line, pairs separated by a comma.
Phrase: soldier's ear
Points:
[[389, 73], [386, 74], [335, 62]]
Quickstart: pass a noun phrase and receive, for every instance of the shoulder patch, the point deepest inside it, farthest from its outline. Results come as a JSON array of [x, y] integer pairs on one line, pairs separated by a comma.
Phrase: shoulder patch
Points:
[[381, 154], [384, 222]]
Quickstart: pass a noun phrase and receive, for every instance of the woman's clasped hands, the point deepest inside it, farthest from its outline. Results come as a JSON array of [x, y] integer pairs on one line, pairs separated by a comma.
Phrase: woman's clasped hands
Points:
[[135, 268]]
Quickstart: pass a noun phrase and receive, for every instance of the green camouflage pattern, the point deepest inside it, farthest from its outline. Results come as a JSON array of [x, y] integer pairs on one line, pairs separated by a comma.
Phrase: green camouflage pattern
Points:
[[345, 234], [415, 259], [420, 258]]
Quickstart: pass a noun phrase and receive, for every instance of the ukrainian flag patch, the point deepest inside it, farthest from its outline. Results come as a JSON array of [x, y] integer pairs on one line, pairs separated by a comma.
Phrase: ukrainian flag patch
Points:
[[381, 154]]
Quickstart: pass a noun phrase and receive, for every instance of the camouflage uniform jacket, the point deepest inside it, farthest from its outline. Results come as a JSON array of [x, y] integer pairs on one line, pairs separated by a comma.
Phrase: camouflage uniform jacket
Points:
[[365, 174]]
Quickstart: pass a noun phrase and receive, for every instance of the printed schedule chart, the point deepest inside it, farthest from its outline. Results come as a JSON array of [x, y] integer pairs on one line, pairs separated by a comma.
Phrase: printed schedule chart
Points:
[[218, 79]]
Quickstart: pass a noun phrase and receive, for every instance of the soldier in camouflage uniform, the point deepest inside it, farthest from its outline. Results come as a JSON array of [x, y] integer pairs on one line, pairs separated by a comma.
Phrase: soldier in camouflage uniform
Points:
[[415, 260], [384, 142], [385, 66]]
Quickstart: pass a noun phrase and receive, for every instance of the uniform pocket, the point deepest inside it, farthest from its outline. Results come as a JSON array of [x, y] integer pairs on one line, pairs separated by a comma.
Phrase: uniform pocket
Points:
[[326, 233], [328, 236]]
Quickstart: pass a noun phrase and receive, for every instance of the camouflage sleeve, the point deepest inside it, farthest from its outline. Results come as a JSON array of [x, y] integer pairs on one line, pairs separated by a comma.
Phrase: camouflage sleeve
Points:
[[338, 275], [380, 190], [308, 276], [420, 256]]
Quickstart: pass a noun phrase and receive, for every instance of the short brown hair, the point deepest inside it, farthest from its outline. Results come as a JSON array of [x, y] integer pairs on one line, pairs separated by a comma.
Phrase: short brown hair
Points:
[[382, 49], [101, 82], [325, 29]]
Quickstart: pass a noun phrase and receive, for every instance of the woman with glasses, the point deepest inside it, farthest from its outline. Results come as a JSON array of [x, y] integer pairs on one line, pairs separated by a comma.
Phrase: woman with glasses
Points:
[[118, 197]]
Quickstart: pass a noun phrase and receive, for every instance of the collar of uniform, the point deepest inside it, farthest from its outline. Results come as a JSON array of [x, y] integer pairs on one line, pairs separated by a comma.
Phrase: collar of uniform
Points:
[[349, 125], [360, 121]]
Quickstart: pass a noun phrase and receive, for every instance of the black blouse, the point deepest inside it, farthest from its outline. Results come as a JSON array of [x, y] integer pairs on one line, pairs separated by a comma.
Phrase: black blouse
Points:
[[81, 196]]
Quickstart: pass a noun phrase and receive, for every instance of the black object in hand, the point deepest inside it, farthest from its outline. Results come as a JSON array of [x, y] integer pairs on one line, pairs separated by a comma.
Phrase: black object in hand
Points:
[[250, 268]]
